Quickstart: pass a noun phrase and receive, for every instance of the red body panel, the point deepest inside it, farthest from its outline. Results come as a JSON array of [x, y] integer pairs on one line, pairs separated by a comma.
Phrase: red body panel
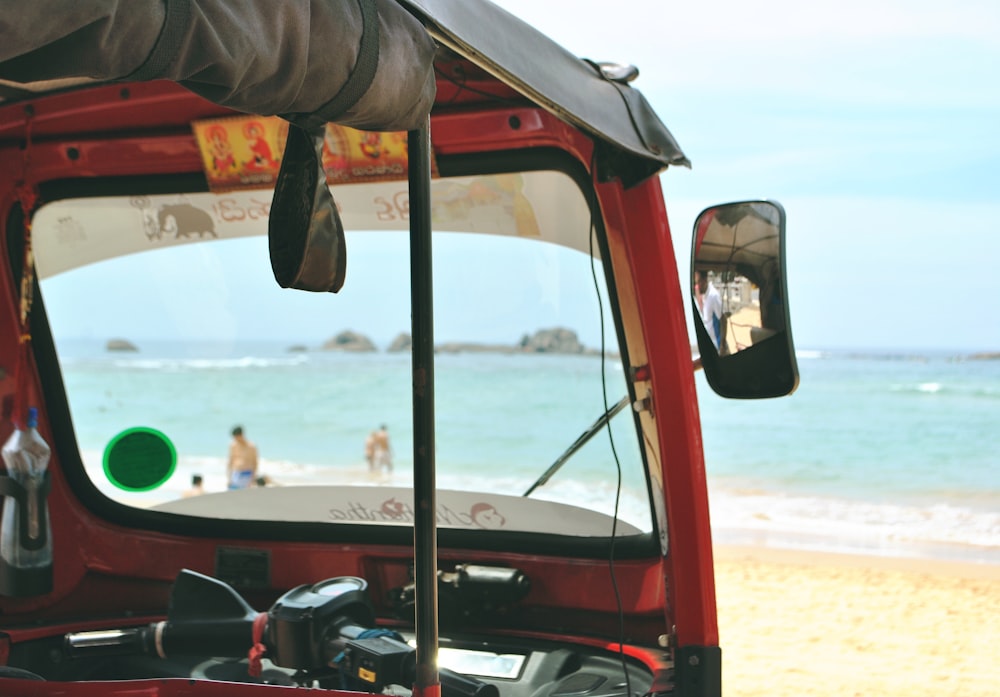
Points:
[[102, 568]]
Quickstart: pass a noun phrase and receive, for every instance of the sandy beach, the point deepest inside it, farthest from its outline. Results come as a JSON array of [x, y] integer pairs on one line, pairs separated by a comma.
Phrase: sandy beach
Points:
[[814, 624]]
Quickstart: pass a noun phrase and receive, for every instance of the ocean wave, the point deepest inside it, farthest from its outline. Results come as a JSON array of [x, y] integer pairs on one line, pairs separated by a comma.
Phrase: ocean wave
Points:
[[194, 364], [921, 387], [740, 514], [856, 525], [973, 390]]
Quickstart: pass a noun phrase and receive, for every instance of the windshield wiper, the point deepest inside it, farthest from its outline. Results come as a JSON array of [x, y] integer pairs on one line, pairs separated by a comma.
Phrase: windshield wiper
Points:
[[602, 420]]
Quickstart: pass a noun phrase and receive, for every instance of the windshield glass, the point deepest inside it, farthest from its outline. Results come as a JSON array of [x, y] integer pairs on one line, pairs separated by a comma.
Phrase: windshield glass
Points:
[[279, 404]]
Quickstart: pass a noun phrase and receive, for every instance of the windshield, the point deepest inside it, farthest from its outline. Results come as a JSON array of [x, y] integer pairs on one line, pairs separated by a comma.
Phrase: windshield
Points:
[[276, 404]]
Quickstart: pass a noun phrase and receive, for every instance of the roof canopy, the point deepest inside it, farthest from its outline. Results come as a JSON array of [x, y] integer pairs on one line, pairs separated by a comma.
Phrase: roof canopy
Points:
[[275, 58], [574, 89]]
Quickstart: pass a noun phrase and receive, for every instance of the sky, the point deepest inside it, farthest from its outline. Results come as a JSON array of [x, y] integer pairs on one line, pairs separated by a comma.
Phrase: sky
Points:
[[876, 124]]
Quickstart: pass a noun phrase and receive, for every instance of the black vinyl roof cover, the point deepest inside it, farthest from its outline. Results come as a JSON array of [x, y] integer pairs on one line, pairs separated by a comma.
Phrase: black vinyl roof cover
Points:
[[542, 70], [290, 68]]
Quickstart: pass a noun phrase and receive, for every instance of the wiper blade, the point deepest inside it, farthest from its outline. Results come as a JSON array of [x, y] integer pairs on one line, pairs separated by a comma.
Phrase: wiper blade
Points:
[[578, 443]]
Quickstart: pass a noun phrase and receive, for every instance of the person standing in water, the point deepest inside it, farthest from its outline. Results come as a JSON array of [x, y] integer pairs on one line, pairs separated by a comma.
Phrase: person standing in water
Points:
[[370, 452], [241, 470], [381, 450]]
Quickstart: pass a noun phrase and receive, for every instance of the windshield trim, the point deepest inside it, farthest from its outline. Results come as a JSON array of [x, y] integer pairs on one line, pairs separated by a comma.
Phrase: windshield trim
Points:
[[641, 545]]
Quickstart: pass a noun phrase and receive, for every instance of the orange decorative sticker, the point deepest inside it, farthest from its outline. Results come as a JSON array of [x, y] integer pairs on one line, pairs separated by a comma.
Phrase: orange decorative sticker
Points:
[[241, 152], [350, 155], [244, 152]]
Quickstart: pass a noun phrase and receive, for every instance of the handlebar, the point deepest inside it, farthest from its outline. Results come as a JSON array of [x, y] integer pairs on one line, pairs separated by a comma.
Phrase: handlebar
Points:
[[317, 630]]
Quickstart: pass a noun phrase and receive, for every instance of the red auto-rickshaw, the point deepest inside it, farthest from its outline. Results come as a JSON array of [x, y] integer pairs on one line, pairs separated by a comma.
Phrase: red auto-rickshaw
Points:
[[540, 526]]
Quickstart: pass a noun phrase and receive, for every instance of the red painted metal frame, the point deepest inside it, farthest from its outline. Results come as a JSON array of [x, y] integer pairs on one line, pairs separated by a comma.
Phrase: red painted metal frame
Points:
[[142, 129], [639, 216]]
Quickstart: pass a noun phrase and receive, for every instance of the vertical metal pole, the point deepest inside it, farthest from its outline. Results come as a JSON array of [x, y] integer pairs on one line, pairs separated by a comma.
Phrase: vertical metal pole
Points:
[[424, 498]]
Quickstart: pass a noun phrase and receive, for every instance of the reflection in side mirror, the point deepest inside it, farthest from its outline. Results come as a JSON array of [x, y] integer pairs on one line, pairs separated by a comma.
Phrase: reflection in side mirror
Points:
[[741, 301]]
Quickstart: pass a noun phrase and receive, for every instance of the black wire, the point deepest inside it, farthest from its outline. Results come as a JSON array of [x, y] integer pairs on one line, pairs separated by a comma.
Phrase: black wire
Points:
[[461, 85], [618, 465]]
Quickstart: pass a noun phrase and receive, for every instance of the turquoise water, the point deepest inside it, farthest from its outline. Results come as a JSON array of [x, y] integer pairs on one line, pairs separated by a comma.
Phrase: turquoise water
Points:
[[895, 455], [891, 454]]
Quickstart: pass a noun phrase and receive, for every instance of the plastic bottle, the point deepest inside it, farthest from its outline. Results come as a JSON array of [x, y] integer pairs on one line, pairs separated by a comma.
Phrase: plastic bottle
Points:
[[26, 537]]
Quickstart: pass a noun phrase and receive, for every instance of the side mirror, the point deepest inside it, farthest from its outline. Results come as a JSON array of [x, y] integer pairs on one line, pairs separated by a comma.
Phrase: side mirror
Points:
[[740, 300]]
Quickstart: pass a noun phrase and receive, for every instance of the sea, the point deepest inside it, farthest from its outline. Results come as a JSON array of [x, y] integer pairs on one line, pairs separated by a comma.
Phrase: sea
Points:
[[890, 454]]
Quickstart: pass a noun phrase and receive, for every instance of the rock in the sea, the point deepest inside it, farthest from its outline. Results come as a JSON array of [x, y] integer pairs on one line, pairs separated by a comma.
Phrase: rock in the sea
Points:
[[466, 347], [120, 345], [986, 356], [401, 343], [349, 341], [557, 340]]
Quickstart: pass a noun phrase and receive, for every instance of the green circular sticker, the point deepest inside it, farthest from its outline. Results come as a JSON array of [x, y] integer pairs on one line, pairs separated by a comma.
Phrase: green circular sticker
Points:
[[139, 459]]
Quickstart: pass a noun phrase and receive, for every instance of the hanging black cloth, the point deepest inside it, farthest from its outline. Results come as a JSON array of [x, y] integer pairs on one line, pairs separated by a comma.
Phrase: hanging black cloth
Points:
[[361, 63]]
